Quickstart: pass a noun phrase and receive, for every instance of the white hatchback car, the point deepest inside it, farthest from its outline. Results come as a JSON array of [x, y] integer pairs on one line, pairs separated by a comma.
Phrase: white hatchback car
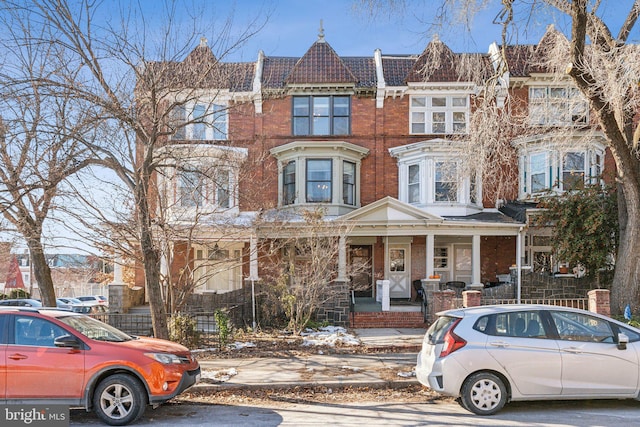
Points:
[[489, 355]]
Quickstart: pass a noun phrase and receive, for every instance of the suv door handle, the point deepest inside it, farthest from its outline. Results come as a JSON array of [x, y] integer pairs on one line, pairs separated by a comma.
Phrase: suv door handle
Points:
[[18, 356], [499, 344], [572, 350]]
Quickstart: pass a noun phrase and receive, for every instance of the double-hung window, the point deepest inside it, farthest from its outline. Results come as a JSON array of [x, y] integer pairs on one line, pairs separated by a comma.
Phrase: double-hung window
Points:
[[191, 189], [538, 171], [446, 178], [348, 183], [439, 114], [573, 170], [289, 183], [319, 182], [414, 184], [321, 115]]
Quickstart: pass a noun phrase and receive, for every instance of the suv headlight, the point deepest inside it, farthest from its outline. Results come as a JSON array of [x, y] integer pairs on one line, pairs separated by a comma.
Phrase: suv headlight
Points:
[[166, 358]]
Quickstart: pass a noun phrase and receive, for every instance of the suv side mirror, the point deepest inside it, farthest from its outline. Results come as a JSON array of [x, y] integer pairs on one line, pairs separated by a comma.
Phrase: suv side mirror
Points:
[[623, 340], [67, 341]]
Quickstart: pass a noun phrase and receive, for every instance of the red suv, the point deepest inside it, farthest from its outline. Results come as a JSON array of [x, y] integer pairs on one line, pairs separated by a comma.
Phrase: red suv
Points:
[[60, 357]]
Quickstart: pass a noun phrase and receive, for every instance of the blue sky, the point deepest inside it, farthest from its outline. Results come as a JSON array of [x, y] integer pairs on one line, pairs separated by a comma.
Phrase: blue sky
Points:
[[293, 27]]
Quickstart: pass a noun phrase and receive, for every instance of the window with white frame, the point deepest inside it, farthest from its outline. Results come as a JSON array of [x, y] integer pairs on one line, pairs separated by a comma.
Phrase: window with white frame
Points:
[[289, 183], [557, 106], [414, 190], [199, 121], [319, 180], [539, 173], [203, 187], [348, 183], [555, 170], [445, 182], [573, 170], [439, 114]]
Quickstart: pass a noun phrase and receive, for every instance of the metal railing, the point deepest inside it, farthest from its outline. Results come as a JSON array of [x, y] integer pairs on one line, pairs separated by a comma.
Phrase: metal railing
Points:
[[139, 324]]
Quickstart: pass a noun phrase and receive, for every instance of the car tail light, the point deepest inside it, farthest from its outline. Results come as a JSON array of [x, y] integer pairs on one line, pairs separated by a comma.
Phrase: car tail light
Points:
[[452, 342]]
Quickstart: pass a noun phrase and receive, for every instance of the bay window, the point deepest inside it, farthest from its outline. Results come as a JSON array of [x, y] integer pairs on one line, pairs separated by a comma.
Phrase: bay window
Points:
[[199, 121], [325, 172]]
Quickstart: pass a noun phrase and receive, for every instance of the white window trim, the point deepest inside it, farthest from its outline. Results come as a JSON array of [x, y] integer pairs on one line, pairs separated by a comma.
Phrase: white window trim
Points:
[[554, 118], [188, 101], [449, 110], [337, 152], [554, 171]]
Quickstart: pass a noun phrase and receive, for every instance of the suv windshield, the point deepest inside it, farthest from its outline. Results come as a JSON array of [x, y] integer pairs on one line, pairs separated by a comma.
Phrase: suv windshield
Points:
[[94, 329]]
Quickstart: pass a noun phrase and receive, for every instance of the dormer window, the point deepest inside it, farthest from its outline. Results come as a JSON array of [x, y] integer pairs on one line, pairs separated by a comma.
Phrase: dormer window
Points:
[[557, 106], [439, 114]]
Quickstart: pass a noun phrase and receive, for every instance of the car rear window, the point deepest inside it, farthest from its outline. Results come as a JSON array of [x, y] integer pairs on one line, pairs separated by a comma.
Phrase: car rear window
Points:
[[438, 330], [523, 324]]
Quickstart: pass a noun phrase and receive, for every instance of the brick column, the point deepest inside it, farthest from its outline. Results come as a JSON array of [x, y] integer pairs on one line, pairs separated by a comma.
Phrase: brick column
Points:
[[439, 301], [599, 301], [471, 298]]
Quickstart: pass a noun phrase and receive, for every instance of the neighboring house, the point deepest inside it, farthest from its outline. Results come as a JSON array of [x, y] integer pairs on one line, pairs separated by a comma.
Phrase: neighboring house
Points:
[[375, 142]]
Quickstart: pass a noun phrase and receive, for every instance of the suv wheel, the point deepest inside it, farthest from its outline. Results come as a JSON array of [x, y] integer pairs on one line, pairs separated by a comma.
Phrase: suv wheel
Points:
[[483, 394], [119, 400]]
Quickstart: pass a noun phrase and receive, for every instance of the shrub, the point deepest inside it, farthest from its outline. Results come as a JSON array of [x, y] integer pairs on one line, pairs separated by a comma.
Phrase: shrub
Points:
[[184, 330], [225, 329]]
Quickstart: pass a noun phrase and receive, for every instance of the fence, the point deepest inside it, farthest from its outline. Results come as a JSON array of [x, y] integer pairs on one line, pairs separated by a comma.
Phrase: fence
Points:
[[139, 324]]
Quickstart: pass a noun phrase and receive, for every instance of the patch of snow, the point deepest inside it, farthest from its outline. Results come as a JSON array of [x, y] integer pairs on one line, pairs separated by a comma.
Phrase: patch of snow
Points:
[[407, 374], [351, 368], [329, 336], [238, 345], [220, 376]]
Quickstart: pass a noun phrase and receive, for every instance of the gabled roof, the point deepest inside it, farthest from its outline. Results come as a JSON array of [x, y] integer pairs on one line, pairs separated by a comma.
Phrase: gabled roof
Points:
[[438, 63], [523, 60], [320, 65], [389, 209]]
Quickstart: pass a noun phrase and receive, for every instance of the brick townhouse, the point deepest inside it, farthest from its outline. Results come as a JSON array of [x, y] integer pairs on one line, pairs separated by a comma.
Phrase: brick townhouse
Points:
[[375, 141]]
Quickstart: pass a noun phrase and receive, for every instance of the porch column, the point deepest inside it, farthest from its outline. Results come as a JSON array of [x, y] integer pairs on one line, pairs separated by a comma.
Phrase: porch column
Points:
[[476, 276], [117, 272], [342, 259], [430, 254]]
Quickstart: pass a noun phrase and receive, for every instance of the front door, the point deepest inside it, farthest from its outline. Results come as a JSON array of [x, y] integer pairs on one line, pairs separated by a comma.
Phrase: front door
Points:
[[399, 271], [361, 268], [462, 263]]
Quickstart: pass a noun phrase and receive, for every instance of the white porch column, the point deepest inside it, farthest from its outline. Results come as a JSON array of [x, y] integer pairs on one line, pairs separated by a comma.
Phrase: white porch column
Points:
[[253, 259], [476, 276], [519, 265], [430, 252], [342, 259], [117, 272]]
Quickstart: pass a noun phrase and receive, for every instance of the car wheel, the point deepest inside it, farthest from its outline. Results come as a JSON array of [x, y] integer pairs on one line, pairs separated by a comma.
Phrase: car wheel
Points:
[[483, 394], [119, 400]]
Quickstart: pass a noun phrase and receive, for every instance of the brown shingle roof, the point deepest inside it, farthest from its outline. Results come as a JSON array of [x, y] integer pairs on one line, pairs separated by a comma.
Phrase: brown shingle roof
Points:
[[438, 63], [320, 65]]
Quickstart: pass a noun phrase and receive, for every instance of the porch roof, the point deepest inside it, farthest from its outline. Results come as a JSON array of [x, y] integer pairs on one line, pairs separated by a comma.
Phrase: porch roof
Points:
[[391, 217]]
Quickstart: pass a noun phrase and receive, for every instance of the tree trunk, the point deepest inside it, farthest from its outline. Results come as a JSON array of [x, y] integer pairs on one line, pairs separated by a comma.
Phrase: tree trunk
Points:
[[151, 260], [626, 280], [42, 273]]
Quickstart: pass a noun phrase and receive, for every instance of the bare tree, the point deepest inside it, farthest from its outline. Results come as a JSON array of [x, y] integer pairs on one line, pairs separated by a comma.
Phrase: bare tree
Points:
[[42, 139], [304, 264], [129, 75]]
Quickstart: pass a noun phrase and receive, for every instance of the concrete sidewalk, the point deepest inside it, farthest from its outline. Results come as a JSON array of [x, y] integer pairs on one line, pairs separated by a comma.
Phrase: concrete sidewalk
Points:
[[393, 368]]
